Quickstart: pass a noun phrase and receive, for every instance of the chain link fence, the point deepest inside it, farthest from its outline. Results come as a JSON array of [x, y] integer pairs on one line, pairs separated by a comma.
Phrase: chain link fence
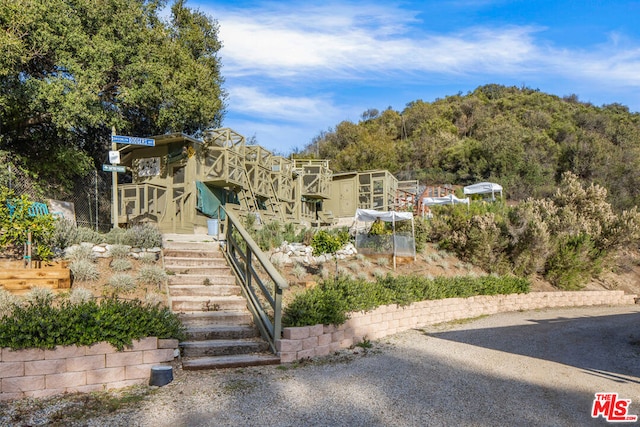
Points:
[[90, 195]]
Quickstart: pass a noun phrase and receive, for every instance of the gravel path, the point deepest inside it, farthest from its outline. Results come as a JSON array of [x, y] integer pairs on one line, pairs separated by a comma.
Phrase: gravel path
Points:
[[537, 368]]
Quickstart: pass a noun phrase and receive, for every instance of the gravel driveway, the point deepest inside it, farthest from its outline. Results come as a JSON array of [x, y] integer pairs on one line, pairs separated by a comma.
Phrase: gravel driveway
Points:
[[537, 368]]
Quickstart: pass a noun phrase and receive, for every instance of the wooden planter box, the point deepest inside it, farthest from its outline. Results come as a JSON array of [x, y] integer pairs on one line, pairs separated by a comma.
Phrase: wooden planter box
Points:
[[18, 279]]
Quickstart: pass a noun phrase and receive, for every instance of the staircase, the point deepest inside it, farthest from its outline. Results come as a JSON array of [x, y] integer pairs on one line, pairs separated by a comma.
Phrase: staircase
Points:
[[204, 293]]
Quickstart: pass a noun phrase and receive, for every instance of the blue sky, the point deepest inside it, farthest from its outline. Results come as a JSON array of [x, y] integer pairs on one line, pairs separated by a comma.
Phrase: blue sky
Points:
[[296, 68]]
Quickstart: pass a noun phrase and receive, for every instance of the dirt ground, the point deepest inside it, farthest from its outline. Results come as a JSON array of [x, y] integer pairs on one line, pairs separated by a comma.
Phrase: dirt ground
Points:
[[142, 292], [624, 274]]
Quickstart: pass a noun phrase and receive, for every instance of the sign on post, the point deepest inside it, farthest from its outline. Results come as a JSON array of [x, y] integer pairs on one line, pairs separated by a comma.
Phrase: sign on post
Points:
[[132, 140], [113, 168]]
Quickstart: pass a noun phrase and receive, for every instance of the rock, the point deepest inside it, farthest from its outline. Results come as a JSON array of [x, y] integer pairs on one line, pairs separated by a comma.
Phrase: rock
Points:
[[154, 249], [99, 249]]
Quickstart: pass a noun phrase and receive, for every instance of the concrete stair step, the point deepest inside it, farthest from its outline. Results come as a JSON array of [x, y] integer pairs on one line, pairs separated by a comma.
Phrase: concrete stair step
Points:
[[219, 318], [222, 347], [212, 332], [204, 290], [214, 303], [193, 253], [199, 271], [209, 245], [201, 279], [194, 262], [235, 361]]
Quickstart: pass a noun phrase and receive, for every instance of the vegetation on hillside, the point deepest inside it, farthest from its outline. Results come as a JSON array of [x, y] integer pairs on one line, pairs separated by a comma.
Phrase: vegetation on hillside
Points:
[[522, 138], [566, 238]]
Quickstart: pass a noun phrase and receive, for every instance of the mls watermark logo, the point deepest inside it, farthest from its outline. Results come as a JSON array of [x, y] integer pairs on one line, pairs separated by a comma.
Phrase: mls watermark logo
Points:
[[612, 409]]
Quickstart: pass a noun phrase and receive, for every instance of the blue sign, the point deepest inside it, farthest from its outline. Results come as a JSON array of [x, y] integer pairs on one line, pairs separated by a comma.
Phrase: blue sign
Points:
[[132, 140], [113, 168]]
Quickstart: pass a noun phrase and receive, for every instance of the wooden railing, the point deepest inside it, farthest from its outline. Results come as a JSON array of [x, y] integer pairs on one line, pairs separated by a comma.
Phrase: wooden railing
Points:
[[261, 283]]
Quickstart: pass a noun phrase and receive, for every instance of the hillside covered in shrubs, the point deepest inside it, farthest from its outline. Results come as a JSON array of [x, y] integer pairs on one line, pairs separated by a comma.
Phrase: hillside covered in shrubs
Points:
[[521, 138]]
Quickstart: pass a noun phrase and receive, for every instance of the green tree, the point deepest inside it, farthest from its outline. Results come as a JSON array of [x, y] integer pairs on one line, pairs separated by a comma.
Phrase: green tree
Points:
[[72, 69]]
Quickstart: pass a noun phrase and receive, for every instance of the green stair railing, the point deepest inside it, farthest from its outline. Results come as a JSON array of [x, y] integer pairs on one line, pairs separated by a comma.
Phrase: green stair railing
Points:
[[261, 283]]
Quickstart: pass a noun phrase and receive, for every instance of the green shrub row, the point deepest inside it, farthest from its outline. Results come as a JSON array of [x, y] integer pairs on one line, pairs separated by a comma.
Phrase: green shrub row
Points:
[[331, 301], [39, 324]]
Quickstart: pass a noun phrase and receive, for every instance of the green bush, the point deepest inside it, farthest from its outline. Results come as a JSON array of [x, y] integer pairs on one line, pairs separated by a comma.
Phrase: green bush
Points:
[[573, 263], [331, 301], [38, 324], [325, 242]]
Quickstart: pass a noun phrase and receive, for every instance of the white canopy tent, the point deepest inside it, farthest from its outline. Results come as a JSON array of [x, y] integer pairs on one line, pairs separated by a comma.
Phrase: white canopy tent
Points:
[[484, 188], [370, 215]]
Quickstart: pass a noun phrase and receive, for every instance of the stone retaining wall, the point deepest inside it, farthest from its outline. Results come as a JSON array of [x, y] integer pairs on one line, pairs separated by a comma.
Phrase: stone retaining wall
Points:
[[321, 340], [70, 369]]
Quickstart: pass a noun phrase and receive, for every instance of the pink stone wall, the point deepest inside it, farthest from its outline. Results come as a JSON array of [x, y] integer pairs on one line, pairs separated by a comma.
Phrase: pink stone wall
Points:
[[321, 340], [70, 369]]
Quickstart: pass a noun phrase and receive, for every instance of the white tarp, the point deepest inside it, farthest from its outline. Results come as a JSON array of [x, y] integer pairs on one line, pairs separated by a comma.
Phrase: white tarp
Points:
[[483, 188], [447, 200], [370, 215]]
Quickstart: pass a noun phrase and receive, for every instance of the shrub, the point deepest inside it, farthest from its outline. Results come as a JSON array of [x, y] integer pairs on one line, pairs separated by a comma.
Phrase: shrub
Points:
[[84, 271], [144, 236], [40, 325], [324, 242], [382, 261], [80, 296], [269, 236], [65, 233], [119, 251], [121, 265], [115, 236], [147, 257], [79, 253], [40, 295], [331, 301], [122, 283], [89, 235], [299, 271], [151, 275], [573, 263], [8, 301]]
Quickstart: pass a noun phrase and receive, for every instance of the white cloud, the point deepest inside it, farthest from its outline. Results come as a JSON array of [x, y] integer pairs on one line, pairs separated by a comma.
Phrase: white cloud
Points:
[[263, 105], [358, 41], [350, 43]]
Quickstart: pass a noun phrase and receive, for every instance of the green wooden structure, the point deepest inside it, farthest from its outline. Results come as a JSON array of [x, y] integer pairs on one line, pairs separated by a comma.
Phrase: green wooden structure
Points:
[[180, 183]]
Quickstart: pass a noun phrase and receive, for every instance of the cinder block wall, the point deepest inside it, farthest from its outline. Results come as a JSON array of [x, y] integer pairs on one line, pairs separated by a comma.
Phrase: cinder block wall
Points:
[[70, 369], [321, 340]]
